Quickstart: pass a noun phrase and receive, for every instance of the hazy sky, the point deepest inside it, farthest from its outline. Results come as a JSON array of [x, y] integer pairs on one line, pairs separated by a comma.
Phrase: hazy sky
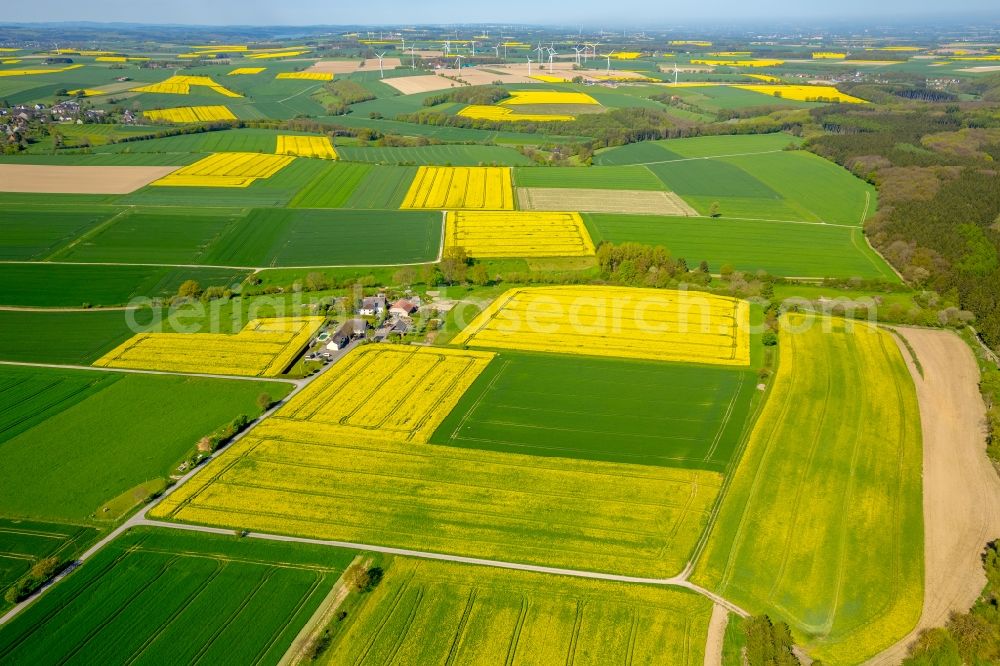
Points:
[[639, 13]]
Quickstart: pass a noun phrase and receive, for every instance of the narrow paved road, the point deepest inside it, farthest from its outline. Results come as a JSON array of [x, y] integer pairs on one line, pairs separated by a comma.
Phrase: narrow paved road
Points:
[[132, 371]]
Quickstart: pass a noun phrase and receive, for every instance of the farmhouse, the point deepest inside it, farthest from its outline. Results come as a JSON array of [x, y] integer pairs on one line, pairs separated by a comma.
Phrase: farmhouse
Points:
[[351, 329], [402, 308], [372, 306]]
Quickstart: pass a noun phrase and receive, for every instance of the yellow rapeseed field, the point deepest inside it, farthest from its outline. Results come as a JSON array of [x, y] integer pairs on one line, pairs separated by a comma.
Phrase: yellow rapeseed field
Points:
[[766, 78], [190, 114], [828, 55], [504, 114], [264, 348], [626, 55], [86, 92], [223, 48], [386, 393], [239, 71], [688, 42], [476, 188], [306, 76], [279, 54], [518, 234], [737, 63], [549, 78], [355, 441], [306, 146], [181, 85], [803, 93], [541, 97], [622, 322], [226, 170], [11, 61], [32, 72]]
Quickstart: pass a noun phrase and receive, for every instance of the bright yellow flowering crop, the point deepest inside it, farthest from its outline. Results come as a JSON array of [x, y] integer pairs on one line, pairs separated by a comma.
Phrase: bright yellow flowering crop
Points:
[[181, 85], [226, 170], [306, 146], [828, 55], [525, 97], [86, 92], [264, 348], [477, 188], [32, 72], [306, 76], [626, 55], [623, 322], [190, 114], [278, 54], [504, 114], [687, 42], [737, 63], [246, 70], [518, 234], [803, 93], [387, 393]]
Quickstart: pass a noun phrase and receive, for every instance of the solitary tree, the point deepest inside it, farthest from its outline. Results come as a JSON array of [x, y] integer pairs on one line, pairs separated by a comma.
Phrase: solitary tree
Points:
[[189, 289], [715, 209]]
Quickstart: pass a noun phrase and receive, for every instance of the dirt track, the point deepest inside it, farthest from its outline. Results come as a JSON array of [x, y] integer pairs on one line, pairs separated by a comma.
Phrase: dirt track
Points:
[[961, 488], [716, 635], [44, 179]]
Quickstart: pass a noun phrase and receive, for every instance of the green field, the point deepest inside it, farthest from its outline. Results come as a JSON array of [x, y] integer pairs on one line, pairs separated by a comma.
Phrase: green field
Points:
[[73, 285], [24, 542], [646, 152], [601, 409], [161, 596], [427, 612], [155, 236], [87, 452], [332, 187], [289, 237], [788, 249], [383, 188], [35, 232], [447, 155], [784, 185], [604, 178], [28, 396], [225, 141], [76, 338], [822, 526]]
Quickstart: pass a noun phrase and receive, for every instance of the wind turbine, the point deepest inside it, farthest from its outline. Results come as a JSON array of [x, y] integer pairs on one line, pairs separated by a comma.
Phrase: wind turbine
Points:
[[529, 67], [608, 56], [447, 47], [380, 70], [540, 49], [577, 49], [473, 48], [497, 50], [403, 37], [675, 73], [552, 53], [458, 61], [413, 56]]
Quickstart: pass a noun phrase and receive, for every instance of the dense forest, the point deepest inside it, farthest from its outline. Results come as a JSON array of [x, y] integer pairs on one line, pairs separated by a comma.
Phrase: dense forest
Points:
[[938, 220]]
